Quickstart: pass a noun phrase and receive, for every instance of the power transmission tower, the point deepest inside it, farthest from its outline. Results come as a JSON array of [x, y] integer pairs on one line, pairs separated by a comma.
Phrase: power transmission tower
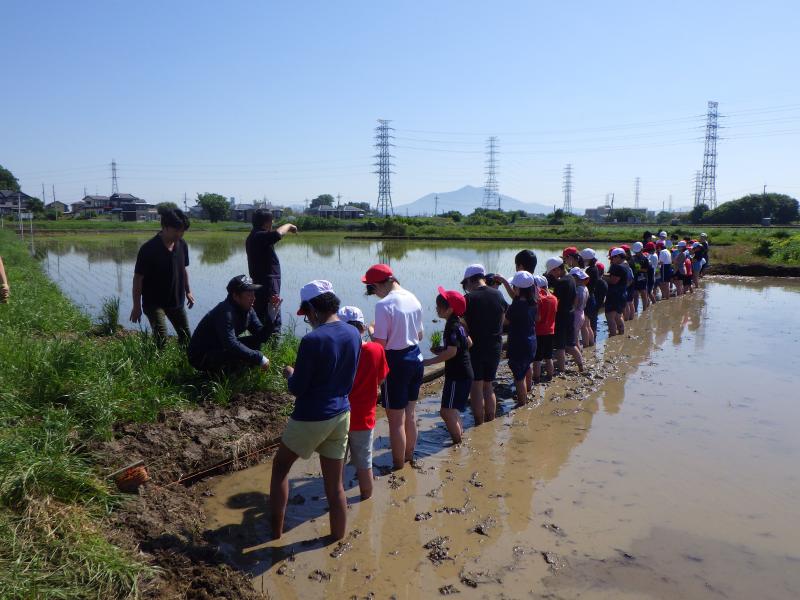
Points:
[[636, 193], [567, 189], [709, 195], [436, 205], [698, 187], [491, 191], [383, 144], [114, 185]]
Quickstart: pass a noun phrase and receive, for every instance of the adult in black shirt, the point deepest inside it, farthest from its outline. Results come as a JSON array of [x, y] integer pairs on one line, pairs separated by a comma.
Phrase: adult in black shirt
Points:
[[216, 345], [486, 309], [263, 263], [563, 286], [161, 279]]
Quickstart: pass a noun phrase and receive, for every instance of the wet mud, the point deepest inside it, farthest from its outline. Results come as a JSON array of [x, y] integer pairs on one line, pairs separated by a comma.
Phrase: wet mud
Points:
[[669, 472]]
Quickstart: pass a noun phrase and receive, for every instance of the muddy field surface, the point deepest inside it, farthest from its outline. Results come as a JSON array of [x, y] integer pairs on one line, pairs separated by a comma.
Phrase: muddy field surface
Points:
[[669, 471], [166, 519]]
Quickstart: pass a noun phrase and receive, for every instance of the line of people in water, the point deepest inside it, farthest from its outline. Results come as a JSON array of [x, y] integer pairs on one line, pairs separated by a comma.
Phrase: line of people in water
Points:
[[346, 366]]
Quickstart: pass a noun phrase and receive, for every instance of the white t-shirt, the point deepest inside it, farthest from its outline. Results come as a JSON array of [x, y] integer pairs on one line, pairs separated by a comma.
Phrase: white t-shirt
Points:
[[665, 257], [398, 320], [653, 258]]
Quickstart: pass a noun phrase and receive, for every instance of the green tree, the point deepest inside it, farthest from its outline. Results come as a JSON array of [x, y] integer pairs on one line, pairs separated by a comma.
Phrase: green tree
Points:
[[663, 217], [556, 217], [362, 205], [36, 206], [322, 200], [167, 205], [215, 205], [453, 215], [7, 180], [696, 214], [754, 207]]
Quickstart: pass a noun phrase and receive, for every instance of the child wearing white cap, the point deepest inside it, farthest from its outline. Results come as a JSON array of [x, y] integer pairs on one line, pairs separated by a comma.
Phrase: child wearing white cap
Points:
[[321, 381], [583, 331], [521, 320], [370, 374]]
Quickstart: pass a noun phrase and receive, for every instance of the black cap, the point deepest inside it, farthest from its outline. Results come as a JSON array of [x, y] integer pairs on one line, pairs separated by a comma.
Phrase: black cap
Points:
[[242, 283]]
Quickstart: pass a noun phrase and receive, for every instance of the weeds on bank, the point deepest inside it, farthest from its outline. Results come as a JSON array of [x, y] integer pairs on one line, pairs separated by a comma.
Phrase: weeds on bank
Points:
[[60, 389]]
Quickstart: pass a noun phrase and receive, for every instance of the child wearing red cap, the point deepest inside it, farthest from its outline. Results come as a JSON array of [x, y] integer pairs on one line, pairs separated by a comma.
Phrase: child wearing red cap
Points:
[[454, 353]]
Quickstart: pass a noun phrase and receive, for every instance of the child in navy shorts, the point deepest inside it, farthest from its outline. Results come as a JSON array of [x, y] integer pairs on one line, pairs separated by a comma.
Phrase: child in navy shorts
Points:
[[454, 353]]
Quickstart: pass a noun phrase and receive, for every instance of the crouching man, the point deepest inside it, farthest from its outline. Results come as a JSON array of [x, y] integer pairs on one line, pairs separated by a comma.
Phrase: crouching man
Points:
[[216, 346]]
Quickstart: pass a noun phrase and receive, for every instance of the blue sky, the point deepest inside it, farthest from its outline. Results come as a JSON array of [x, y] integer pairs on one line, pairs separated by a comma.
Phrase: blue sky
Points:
[[253, 99]]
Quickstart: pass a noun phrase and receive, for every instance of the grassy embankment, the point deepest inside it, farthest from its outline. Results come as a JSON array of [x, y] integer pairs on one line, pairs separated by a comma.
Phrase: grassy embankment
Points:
[[62, 387]]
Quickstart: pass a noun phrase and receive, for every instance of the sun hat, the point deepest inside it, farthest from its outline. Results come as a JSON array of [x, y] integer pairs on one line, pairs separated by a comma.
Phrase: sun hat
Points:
[[455, 300], [703, 235], [472, 270], [660, 244], [697, 245], [522, 279], [570, 251], [540, 280], [650, 247], [616, 252], [377, 274], [578, 272], [625, 247], [637, 247], [588, 254], [553, 263], [682, 244], [241, 283], [348, 314], [313, 289], [600, 268], [662, 234]]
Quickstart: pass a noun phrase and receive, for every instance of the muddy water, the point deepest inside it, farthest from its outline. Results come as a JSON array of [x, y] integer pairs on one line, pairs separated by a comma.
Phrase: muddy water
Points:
[[672, 473]]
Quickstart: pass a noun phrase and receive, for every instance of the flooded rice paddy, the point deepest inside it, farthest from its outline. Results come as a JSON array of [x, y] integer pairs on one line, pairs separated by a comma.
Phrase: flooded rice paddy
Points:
[[89, 268], [671, 472]]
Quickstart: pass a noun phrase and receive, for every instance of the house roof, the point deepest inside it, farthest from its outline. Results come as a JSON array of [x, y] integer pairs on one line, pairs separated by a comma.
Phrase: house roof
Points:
[[95, 198], [12, 195], [125, 198], [243, 207]]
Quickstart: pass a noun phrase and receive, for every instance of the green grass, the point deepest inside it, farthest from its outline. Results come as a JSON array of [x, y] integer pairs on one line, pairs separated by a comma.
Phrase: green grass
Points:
[[61, 387]]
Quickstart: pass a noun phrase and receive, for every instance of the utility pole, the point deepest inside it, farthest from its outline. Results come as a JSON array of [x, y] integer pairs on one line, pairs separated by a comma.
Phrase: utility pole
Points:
[[636, 193], [114, 186], [54, 192], [567, 189], [185, 205], [44, 196], [383, 144], [491, 191], [710, 157]]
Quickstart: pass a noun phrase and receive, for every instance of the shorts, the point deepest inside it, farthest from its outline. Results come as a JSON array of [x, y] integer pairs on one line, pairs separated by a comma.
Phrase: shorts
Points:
[[687, 279], [666, 273], [359, 444], [485, 362], [455, 393], [328, 438], [565, 332], [404, 379], [544, 347], [519, 367], [640, 285], [615, 304]]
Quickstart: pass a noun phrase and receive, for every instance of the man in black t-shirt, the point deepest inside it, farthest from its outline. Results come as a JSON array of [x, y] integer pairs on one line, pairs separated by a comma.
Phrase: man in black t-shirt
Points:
[[263, 263], [161, 279], [563, 286], [617, 278], [486, 309]]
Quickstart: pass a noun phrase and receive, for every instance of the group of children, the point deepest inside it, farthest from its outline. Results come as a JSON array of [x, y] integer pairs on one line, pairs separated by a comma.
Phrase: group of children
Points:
[[548, 317]]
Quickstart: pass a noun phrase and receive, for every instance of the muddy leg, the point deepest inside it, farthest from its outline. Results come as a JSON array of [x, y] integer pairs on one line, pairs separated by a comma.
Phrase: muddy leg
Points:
[[452, 421], [561, 360], [476, 400], [334, 491], [537, 371], [397, 435], [279, 488], [489, 400], [521, 391], [575, 353], [365, 483], [410, 430]]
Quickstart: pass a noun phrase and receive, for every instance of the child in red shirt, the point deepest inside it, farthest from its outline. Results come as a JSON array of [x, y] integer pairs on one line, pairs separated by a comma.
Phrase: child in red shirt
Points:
[[545, 330], [372, 370]]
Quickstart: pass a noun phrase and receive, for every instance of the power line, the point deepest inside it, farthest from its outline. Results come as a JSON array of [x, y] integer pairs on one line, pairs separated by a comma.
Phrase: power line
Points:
[[491, 190], [383, 144]]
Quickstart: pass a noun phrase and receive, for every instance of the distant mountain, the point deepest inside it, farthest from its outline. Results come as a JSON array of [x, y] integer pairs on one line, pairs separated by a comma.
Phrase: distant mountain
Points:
[[465, 200]]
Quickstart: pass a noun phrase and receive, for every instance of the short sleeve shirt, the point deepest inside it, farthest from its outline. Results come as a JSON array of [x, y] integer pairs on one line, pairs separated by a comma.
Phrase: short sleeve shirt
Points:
[[486, 308], [548, 304], [372, 369], [460, 366], [521, 316], [617, 290], [564, 290], [262, 261], [398, 320], [162, 270]]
